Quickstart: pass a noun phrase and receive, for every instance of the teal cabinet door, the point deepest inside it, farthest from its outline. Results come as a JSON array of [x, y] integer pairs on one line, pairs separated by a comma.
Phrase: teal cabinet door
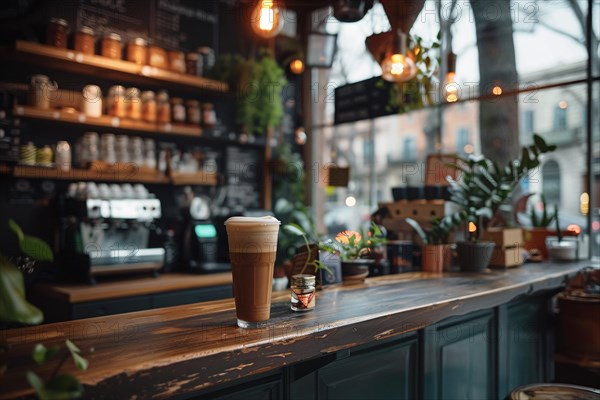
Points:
[[459, 358], [380, 372], [269, 390], [526, 344]]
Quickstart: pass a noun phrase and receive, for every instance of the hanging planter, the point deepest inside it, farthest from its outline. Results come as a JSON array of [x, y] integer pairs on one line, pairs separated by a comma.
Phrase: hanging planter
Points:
[[351, 10]]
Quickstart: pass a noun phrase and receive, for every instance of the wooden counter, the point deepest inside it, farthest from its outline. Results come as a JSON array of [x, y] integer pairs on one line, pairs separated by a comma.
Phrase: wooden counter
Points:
[[77, 293], [184, 350]]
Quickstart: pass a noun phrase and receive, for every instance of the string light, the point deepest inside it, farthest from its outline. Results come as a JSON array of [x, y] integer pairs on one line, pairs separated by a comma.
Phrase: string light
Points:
[[397, 66], [267, 21], [297, 66]]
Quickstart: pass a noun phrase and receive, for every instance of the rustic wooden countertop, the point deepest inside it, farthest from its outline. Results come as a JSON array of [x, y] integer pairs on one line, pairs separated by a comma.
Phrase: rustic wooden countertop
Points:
[[133, 286], [178, 350]]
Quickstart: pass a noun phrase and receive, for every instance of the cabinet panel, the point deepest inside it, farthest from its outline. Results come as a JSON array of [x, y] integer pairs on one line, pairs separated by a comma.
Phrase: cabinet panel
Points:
[[388, 373], [261, 391], [460, 358], [527, 326]]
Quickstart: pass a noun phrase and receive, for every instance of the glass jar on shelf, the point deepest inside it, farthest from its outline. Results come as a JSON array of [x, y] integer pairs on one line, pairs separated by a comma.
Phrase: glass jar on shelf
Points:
[[163, 108], [116, 102], [157, 57], [133, 103], [176, 61], [57, 33], [91, 103], [303, 292], [85, 40], [193, 112], [209, 117], [41, 91], [177, 111], [193, 64], [137, 52], [149, 106], [111, 46]]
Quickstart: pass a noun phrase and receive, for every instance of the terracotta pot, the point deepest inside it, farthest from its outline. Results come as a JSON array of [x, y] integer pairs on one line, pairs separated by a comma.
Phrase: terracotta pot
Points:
[[474, 256], [535, 238], [355, 271], [433, 257]]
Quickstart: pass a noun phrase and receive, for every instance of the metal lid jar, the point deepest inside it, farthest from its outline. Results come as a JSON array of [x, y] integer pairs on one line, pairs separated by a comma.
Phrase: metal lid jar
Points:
[[303, 292]]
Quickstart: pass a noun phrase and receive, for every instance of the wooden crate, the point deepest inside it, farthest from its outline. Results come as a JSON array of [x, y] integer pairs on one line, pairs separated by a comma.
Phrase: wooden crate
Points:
[[419, 210], [507, 258], [505, 238]]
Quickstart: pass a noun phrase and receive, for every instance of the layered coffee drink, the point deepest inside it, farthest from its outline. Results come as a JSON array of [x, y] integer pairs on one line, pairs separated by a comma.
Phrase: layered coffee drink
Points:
[[252, 250]]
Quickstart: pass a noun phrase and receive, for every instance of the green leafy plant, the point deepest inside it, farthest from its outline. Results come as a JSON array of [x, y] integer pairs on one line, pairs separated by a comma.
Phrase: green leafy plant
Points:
[[484, 185], [438, 233], [546, 218], [14, 306], [258, 83], [356, 245], [297, 230], [58, 385], [288, 197]]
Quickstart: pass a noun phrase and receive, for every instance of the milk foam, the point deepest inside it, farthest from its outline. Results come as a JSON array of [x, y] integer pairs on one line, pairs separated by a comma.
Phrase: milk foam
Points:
[[252, 234]]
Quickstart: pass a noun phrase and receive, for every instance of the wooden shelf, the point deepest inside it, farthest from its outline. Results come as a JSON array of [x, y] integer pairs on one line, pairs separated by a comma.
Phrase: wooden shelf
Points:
[[198, 178], [106, 121], [93, 65], [118, 173], [127, 173]]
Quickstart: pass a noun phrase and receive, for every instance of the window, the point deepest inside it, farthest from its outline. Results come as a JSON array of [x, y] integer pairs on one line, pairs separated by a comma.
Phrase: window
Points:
[[551, 182], [462, 140], [409, 149], [528, 122], [560, 118]]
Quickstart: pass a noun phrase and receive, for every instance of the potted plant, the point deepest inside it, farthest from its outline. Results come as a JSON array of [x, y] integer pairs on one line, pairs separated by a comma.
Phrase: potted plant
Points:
[[434, 250], [358, 251], [258, 83], [535, 236], [482, 189]]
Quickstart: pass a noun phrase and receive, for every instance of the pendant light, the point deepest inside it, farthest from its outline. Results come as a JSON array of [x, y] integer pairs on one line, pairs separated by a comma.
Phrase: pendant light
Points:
[[396, 65], [451, 88], [267, 20]]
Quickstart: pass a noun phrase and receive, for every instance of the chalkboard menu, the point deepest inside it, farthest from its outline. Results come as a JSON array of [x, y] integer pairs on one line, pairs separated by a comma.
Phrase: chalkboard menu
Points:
[[172, 24], [363, 100], [243, 178]]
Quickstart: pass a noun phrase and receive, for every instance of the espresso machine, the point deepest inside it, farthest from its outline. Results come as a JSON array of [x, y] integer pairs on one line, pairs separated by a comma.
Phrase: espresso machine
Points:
[[106, 232], [201, 236]]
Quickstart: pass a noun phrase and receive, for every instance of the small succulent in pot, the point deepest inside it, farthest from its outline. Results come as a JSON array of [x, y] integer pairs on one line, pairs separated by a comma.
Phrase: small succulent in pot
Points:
[[435, 252]]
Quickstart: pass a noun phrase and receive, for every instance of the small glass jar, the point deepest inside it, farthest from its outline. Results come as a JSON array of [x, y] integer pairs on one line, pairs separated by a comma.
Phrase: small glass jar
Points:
[[148, 106], [57, 33], [111, 46], [116, 102], [176, 61], [136, 51], [193, 64], [133, 103], [91, 101], [163, 108], [303, 292], [157, 57], [209, 117], [85, 40], [192, 108], [177, 110]]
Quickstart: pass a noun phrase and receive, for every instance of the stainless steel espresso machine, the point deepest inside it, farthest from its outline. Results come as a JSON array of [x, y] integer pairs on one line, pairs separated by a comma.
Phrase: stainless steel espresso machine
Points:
[[106, 231]]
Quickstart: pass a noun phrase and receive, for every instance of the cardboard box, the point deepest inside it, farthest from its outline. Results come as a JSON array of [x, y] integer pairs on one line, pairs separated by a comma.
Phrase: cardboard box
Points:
[[505, 238], [507, 258]]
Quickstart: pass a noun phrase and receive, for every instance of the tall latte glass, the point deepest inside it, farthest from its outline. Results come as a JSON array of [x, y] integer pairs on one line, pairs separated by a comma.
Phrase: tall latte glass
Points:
[[252, 247]]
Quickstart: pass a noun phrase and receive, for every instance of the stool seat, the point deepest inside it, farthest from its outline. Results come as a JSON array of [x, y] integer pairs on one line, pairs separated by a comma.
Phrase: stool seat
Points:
[[554, 391]]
